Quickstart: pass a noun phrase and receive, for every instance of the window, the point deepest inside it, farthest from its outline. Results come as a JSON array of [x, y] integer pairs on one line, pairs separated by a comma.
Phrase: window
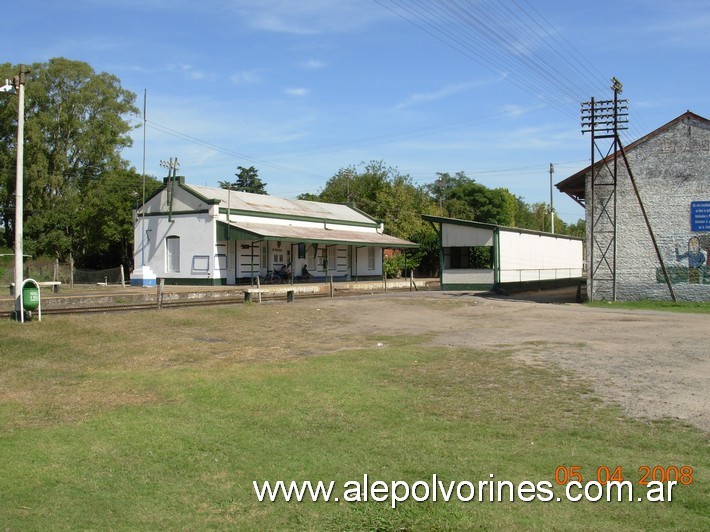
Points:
[[477, 257], [370, 258], [301, 250], [172, 245]]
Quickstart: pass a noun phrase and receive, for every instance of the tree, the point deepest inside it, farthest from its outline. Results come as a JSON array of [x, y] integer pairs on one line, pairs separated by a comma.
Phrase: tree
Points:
[[385, 194], [461, 197], [112, 199], [247, 181], [76, 126]]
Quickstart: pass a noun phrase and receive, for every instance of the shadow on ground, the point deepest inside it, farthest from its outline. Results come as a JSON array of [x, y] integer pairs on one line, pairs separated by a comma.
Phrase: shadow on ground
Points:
[[557, 296]]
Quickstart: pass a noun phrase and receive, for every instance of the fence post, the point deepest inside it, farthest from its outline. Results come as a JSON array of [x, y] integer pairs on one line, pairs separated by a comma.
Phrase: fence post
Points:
[[331, 286], [55, 273], [384, 281], [161, 285], [71, 271], [123, 278]]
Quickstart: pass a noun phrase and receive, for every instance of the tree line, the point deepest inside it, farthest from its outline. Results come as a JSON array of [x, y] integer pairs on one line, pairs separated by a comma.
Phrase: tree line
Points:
[[79, 192]]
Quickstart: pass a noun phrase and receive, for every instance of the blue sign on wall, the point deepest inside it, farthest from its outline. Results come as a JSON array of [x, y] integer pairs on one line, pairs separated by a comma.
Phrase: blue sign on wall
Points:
[[700, 215]]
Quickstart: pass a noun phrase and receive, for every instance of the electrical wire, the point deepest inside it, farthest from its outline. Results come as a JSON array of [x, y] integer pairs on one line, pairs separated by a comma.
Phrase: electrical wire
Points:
[[511, 37]]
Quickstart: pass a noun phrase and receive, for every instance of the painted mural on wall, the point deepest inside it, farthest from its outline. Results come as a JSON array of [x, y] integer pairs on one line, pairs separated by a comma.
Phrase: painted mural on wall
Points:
[[691, 262]]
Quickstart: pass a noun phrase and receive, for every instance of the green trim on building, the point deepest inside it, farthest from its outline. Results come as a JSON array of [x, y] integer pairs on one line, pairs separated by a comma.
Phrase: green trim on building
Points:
[[191, 281], [177, 213], [523, 286], [299, 218], [493, 227], [210, 201], [230, 233], [466, 286]]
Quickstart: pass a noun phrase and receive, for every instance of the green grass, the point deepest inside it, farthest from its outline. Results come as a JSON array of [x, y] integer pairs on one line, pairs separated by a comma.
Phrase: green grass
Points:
[[702, 307], [103, 428]]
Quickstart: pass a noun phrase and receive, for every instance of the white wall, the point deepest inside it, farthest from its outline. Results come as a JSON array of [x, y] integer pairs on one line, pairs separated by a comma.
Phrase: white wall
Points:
[[198, 249], [456, 236], [533, 257], [468, 277]]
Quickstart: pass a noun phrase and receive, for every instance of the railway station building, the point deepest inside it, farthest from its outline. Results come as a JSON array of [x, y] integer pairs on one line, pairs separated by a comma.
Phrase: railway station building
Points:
[[671, 168], [199, 235]]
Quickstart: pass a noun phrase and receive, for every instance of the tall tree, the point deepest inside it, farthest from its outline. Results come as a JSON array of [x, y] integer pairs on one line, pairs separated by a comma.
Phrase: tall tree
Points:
[[459, 196], [75, 128], [383, 193], [247, 181]]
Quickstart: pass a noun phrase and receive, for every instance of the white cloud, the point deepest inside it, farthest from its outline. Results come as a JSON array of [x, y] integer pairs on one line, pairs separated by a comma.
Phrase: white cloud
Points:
[[297, 91], [190, 72], [444, 92], [309, 17], [245, 77], [312, 64]]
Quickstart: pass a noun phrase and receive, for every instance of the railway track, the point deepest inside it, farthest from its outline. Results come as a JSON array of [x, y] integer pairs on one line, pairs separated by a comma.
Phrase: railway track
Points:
[[181, 303]]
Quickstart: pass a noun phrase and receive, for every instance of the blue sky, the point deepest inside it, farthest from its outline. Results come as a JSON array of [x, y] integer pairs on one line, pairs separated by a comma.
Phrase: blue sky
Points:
[[300, 89]]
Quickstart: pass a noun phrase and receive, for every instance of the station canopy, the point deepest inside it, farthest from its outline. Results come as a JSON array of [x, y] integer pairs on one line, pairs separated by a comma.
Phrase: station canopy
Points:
[[316, 235]]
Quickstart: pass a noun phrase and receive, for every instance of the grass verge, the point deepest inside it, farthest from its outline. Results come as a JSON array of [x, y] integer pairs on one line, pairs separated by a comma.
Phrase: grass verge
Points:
[[702, 307]]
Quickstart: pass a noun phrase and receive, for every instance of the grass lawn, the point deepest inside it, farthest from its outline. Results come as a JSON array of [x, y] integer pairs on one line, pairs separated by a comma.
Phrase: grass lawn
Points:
[[156, 420], [702, 307]]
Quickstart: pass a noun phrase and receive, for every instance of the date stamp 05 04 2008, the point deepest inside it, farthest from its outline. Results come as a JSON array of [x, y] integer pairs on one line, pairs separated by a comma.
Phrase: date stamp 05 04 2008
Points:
[[604, 474]]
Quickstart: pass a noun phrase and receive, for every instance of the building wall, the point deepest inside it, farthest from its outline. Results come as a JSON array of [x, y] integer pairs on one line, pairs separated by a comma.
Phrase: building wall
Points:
[[204, 260], [463, 236], [523, 259], [671, 169], [538, 257], [199, 258]]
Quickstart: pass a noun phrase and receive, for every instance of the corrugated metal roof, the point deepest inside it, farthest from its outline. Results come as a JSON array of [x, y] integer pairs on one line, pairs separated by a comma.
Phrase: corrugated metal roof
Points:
[[315, 234], [261, 203]]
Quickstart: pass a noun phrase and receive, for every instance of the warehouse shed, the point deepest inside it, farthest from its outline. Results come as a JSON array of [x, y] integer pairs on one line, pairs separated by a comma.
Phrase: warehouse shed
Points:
[[671, 168], [480, 256], [198, 235]]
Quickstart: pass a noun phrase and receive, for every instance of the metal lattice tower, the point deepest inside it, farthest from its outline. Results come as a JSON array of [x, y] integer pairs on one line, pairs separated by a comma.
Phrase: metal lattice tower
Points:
[[604, 119]]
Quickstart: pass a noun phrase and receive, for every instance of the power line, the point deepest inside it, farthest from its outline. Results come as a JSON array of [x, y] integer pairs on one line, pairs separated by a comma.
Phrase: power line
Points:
[[227, 151], [510, 37]]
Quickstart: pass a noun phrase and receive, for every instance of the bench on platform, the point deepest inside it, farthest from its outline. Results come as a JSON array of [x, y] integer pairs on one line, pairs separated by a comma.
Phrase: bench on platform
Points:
[[250, 292], [289, 290]]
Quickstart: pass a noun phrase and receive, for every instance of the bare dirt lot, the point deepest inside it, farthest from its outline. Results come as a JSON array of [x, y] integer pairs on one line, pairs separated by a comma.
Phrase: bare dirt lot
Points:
[[653, 364]]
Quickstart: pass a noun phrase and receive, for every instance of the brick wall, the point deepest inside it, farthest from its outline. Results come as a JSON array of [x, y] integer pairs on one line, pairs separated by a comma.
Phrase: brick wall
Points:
[[672, 169]]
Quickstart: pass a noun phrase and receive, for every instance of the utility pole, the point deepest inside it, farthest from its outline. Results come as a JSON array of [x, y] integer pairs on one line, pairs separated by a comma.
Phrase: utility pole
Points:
[[18, 87], [604, 119], [172, 166], [552, 207], [145, 102]]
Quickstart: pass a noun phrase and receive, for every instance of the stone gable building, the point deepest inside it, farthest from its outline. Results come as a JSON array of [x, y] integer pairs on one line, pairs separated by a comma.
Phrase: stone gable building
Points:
[[671, 167]]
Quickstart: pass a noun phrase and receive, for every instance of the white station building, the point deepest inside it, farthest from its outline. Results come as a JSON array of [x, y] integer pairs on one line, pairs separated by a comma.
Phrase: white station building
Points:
[[211, 236]]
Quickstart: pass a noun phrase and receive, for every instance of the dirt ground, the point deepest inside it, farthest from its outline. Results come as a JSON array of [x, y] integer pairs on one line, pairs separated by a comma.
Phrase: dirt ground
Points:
[[653, 364]]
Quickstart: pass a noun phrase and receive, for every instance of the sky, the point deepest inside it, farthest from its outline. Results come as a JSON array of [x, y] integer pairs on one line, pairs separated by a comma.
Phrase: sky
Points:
[[300, 89]]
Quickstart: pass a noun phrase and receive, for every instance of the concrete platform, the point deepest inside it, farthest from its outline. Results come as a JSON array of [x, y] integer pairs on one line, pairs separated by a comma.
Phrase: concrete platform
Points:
[[90, 296]]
